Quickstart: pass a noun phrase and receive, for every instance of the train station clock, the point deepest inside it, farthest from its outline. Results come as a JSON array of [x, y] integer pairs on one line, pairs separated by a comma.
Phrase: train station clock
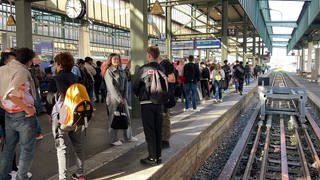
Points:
[[75, 9]]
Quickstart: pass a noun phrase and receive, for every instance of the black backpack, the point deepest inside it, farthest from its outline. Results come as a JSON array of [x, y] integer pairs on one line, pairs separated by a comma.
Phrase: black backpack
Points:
[[86, 79], [156, 86], [205, 73]]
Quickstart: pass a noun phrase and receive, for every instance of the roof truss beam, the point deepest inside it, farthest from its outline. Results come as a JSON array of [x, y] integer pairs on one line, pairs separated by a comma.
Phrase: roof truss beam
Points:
[[292, 24]]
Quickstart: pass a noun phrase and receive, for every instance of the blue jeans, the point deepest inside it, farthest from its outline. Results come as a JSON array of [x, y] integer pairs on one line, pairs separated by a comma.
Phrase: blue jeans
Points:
[[236, 84], [193, 88], [129, 93], [247, 79], [22, 130], [217, 94]]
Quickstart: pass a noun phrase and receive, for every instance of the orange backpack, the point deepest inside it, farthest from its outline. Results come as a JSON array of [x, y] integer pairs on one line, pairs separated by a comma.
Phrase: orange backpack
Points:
[[76, 109]]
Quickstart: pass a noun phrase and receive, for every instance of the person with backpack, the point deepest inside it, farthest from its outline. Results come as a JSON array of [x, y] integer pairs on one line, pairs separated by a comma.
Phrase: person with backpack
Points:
[[247, 73], [238, 76], [228, 74], [59, 85], [168, 70], [18, 93], [204, 80], [151, 87], [191, 76], [116, 81]]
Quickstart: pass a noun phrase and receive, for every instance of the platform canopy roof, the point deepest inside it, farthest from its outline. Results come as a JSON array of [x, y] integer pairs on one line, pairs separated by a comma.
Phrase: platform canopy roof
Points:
[[279, 23]]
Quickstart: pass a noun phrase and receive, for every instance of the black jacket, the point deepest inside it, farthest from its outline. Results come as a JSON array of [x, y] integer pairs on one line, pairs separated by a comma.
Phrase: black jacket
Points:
[[139, 86], [191, 73]]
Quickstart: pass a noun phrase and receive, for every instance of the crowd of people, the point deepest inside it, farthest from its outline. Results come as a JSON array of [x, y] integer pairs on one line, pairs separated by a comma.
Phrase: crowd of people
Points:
[[25, 87]]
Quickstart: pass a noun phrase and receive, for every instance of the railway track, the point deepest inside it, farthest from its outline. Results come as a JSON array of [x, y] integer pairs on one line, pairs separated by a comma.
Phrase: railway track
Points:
[[280, 146]]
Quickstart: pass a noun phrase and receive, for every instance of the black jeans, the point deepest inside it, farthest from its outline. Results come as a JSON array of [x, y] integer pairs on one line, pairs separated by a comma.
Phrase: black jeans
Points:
[[205, 88], [151, 115]]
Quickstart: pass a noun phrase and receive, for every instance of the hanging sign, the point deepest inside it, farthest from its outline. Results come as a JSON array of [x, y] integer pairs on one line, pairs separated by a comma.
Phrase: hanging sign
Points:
[[157, 9], [208, 43], [11, 21], [180, 45]]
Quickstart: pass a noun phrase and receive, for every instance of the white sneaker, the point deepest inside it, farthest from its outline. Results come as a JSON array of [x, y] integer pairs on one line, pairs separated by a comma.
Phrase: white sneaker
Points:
[[29, 175], [14, 175], [196, 110], [184, 109], [133, 139], [220, 100], [117, 143], [215, 100]]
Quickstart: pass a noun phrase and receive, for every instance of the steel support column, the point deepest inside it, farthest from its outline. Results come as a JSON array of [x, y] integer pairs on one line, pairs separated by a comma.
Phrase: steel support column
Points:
[[138, 41], [253, 49], [224, 47], [168, 31], [302, 60], [244, 44], [315, 67], [310, 48], [24, 23]]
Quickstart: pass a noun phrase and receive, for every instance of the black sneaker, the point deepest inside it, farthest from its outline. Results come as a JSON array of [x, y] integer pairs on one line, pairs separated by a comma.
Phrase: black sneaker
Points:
[[77, 177], [165, 144], [149, 161], [159, 160]]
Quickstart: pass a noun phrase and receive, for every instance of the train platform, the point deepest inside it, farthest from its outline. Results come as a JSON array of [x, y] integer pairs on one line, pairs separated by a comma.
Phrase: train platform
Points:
[[312, 88], [192, 134]]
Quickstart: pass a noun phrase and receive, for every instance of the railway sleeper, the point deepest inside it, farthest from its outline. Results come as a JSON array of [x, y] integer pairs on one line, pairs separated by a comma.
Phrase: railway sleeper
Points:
[[291, 163], [288, 147]]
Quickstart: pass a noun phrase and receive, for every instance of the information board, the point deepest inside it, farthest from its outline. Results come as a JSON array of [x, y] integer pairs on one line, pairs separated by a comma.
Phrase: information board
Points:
[[207, 43]]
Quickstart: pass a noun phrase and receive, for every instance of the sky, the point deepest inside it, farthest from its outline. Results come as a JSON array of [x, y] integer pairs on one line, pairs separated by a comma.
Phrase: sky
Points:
[[284, 11]]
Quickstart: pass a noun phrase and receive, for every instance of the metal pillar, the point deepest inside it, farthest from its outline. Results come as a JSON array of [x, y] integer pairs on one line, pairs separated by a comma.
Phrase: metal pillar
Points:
[[208, 30], [315, 67], [244, 44], [23, 24], [302, 60], [168, 31], [84, 40], [224, 47], [259, 51], [262, 54], [138, 42], [309, 62], [237, 48], [254, 50]]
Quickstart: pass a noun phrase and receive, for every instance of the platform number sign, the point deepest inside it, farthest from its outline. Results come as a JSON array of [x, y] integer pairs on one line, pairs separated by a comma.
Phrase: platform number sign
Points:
[[231, 31]]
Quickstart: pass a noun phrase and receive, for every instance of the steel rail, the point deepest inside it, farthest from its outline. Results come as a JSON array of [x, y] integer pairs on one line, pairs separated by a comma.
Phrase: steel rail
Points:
[[284, 160], [234, 159], [311, 147], [246, 174], [265, 150], [305, 168]]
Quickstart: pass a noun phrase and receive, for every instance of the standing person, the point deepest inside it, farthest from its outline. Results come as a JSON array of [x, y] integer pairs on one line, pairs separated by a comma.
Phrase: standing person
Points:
[[191, 76], [97, 81], [64, 78], [116, 81], [88, 65], [18, 95], [151, 113], [256, 71], [239, 76], [103, 86], [228, 74], [247, 73], [180, 77], [127, 70], [217, 76], [168, 69], [205, 76]]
